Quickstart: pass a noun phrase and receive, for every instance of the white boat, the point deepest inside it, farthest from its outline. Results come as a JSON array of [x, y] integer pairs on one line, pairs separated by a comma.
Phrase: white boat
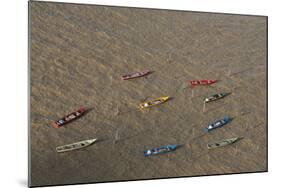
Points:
[[76, 145], [222, 143]]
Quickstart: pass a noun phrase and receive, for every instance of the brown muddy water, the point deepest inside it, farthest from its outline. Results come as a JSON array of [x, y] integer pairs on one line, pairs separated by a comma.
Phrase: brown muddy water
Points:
[[78, 54]]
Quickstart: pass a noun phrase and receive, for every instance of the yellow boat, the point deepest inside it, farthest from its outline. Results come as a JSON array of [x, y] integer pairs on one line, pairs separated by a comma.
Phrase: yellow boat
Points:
[[154, 102]]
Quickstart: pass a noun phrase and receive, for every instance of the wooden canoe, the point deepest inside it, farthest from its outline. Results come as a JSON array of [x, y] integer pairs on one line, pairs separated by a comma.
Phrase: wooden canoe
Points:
[[154, 102], [70, 117], [135, 75], [202, 82], [215, 97], [76, 145], [222, 143]]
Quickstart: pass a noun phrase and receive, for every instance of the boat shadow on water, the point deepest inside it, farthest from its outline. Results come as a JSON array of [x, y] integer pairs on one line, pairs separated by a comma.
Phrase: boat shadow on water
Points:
[[99, 140], [180, 146], [150, 72], [170, 99]]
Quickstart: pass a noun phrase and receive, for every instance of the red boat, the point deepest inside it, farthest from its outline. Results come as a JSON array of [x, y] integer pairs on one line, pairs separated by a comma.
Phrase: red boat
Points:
[[135, 75], [68, 118], [202, 82]]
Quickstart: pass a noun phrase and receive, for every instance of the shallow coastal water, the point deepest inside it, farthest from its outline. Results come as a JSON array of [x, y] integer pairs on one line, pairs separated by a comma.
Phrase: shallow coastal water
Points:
[[78, 54]]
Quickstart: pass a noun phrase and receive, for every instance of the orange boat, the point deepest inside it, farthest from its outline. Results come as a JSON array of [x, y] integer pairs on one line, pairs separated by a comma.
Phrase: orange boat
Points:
[[70, 117], [202, 82]]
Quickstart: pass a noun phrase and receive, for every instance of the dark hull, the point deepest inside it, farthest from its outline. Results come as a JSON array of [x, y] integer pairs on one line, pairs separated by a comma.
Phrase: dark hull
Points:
[[135, 75], [69, 118], [202, 82]]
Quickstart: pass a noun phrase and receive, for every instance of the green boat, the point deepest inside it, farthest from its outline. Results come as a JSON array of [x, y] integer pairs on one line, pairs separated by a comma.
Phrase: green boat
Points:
[[222, 143], [215, 97]]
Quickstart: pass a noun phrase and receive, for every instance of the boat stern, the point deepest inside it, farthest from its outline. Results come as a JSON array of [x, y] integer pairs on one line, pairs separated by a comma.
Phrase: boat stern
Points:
[[147, 153], [55, 125], [143, 105]]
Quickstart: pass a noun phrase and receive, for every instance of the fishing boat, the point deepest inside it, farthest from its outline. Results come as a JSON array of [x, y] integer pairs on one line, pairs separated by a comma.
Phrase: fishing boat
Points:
[[75, 146], [222, 143], [135, 75], [160, 150], [202, 82], [215, 97], [154, 102], [70, 117], [218, 123]]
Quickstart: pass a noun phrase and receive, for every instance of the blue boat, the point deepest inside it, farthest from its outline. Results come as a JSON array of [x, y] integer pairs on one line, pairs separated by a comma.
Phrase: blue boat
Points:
[[161, 150], [218, 123]]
